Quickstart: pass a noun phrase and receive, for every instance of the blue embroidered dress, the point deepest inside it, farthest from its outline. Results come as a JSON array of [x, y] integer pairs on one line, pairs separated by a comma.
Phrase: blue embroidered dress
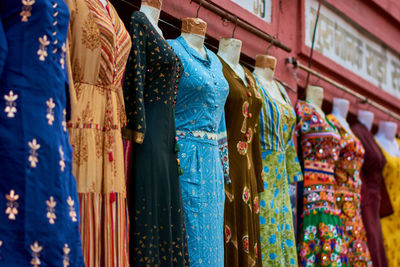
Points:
[[200, 123], [281, 167], [39, 209]]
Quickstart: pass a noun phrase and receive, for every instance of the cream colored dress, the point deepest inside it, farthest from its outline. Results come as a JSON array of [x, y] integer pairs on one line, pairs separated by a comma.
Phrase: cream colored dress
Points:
[[99, 46]]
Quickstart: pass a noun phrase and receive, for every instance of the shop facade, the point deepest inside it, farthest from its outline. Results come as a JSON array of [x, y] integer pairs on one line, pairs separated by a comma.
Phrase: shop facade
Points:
[[355, 43]]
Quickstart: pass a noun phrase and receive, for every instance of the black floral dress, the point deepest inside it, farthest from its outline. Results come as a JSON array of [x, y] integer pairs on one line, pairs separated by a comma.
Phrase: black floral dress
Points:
[[157, 234]]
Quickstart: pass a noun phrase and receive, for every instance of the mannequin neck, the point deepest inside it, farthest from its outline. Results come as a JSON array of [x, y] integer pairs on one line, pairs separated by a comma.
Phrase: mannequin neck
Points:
[[340, 113], [386, 137], [153, 14], [387, 130], [229, 49], [366, 118], [196, 42], [340, 108], [104, 2], [266, 74], [315, 96]]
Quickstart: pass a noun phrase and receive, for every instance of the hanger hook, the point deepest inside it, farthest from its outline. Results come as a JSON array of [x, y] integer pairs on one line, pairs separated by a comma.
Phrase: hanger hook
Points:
[[270, 45], [198, 9], [234, 29]]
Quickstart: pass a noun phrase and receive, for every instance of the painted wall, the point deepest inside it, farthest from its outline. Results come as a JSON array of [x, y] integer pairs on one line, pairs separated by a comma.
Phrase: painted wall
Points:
[[378, 18]]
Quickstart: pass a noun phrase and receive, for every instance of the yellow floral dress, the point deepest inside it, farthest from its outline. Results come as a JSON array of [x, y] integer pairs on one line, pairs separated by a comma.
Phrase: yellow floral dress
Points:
[[99, 47], [391, 224]]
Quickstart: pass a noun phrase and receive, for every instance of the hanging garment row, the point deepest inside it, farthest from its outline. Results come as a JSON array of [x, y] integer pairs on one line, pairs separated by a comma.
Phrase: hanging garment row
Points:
[[180, 156]]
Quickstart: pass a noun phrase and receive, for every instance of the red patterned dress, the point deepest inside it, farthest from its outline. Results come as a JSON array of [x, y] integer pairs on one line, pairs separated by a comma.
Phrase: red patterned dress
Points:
[[321, 232], [348, 195]]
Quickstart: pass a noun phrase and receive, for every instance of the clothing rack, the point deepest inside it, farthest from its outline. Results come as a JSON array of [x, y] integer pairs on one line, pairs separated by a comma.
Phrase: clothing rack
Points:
[[241, 23], [238, 22], [363, 99]]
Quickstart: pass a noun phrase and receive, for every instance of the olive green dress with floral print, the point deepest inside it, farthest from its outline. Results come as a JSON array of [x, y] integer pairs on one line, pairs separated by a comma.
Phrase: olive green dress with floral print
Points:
[[242, 220]]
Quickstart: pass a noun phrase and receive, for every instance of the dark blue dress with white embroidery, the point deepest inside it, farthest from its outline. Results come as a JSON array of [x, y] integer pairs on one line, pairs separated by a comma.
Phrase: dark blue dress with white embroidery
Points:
[[39, 209]]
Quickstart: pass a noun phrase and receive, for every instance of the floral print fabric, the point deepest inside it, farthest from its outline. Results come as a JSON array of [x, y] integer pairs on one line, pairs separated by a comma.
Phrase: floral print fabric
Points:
[[280, 166], [99, 46], [321, 241], [348, 195], [242, 209]]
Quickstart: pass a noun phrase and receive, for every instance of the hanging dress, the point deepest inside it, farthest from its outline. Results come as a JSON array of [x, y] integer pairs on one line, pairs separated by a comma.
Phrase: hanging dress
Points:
[[321, 240], [242, 211], [390, 224], [348, 195], [99, 48], [39, 219], [200, 123], [281, 166], [371, 176], [157, 234]]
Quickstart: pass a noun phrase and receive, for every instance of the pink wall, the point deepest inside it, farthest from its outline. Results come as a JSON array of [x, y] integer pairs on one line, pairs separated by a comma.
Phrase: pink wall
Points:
[[379, 17]]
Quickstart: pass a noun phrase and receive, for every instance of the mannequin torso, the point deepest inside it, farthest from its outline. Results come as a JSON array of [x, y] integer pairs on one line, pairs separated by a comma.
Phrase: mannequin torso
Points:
[[315, 96], [386, 138], [266, 78], [229, 50], [153, 14], [366, 118], [193, 31]]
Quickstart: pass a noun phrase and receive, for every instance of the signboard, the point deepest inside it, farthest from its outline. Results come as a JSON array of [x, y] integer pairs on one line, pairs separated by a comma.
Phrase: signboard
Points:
[[260, 8], [354, 49]]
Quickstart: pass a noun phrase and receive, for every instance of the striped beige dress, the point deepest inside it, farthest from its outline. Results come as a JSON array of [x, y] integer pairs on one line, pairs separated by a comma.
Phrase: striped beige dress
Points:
[[99, 46]]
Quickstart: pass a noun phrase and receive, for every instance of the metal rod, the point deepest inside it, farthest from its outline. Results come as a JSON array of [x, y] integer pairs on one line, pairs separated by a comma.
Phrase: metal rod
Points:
[[313, 40], [343, 88], [242, 24]]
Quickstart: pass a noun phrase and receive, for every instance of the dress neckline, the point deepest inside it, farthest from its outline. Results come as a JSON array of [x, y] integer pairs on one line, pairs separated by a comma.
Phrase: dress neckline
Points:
[[246, 73], [385, 152], [193, 52], [341, 126], [319, 115], [285, 98]]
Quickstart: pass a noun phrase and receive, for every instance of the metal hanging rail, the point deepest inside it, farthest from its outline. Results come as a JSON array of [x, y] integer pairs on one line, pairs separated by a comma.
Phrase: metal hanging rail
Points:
[[242, 24], [363, 99]]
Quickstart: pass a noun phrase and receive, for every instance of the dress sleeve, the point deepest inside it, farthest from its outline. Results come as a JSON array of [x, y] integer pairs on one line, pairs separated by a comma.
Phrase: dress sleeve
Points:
[[223, 148], [135, 77], [3, 46], [257, 160]]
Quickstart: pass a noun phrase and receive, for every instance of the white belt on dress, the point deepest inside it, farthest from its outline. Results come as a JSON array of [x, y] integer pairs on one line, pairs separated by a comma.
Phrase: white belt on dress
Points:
[[199, 134]]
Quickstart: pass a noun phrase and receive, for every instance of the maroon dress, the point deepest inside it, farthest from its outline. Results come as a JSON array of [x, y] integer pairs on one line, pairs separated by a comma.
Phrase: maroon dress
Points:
[[371, 175]]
